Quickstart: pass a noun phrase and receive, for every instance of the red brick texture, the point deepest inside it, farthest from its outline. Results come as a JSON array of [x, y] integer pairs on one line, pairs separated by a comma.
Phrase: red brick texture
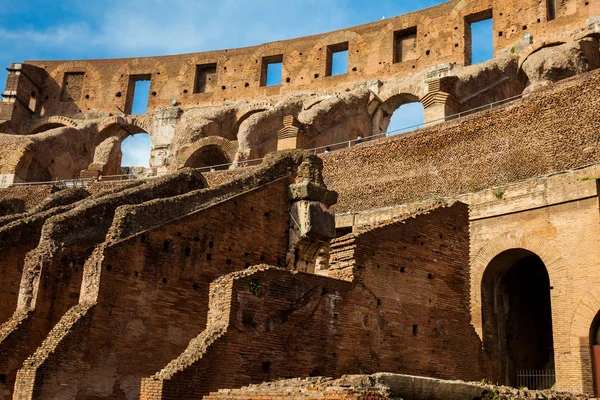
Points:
[[267, 323]]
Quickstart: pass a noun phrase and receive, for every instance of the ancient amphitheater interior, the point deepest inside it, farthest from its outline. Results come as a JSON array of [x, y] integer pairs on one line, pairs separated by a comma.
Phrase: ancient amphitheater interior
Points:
[[283, 243]]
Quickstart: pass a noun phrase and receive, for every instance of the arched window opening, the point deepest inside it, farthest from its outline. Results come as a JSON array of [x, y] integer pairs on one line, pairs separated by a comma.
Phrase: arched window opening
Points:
[[209, 156], [46, 127], [517, 319], [136, 152], [406, 118]]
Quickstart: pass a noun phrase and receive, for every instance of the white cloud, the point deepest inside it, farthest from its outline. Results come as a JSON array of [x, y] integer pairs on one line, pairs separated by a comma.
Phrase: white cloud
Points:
[[136, 151]]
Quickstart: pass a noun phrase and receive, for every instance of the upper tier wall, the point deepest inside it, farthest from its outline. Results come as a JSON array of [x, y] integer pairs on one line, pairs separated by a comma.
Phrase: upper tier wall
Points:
[[75, 88]]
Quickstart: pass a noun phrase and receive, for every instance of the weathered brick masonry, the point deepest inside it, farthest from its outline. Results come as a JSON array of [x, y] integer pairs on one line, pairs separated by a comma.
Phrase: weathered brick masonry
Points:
[[391, 313]]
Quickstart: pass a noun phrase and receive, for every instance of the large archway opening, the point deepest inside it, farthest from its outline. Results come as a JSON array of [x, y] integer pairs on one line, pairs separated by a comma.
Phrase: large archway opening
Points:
[[517, 319], [207, 156], [595, 346], [399, 114]]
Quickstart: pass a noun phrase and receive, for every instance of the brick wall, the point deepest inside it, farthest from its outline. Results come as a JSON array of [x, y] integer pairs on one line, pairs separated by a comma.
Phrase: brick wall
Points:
[[153, 294], [371, 55], [483, 151], [52, 271], [269, 323]]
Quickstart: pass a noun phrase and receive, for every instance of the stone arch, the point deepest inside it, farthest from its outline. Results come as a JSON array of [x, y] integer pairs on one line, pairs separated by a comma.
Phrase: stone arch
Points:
[[245, 112], [48, 123], [579, 335], [132, 125], [543, 248], [390, 101], [291, 58], [228, 147], [384, 52], [187, 73], [357, 53], [137, 66], [92, 82], [535, 47]]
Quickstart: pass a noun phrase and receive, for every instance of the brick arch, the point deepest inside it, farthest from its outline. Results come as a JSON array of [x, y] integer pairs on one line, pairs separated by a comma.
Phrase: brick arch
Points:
[[542, 247], [187, 73], [36, 126], [229, 147], [92, 82], [291, 58], [535, 47], [317, 57], [579, 331], [384, 51], [137, 66], [248, 110], [133, 125]]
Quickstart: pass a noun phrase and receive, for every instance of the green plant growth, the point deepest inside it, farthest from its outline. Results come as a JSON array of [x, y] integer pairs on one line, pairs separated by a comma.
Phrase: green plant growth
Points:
[[499, 192], [256, 287]]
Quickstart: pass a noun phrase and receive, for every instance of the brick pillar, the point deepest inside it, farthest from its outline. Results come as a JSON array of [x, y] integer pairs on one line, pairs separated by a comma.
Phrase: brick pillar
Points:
[[438, 104], [16, 108], [291, 135]]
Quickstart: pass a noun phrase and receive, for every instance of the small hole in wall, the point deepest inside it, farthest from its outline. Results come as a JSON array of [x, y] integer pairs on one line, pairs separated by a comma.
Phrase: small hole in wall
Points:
[[166, 245], [179, 234], [429, 276], [266, 366], [246, 84], [228, 262], [164, 281], [153, 93], [587, 3], [316, 76], [208, 256], [195, 286], [223, 87], [288, 80], [196, 239], [354, 69], [246, 254], [185, 91], [456, 45], [524, 27], [262, 257], [500, 33], [539, 20], [109, 267], [415, 330], [211, 245], [428, 52], [402, 269], [118, 94], [3, 379], [188, 251], [136, 273], [87, 96], [144, 237], [378, 302], [267, 214]]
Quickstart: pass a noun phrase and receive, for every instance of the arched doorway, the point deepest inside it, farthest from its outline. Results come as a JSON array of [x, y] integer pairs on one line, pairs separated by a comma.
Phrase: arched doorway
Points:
[[211, 155], [398, 114], [595, 344], [517, 319]]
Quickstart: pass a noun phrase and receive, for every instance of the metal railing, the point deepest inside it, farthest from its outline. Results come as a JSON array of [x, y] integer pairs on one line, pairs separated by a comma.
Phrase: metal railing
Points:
[[316, 150], [536, 379]]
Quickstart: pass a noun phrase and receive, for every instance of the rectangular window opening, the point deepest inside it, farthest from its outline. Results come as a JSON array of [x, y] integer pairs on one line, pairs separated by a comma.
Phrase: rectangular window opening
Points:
[[405, 45], [479, 37], [337, 59], [138, 94], [72, 86], [550, 10], [272, 70], [206, 78]]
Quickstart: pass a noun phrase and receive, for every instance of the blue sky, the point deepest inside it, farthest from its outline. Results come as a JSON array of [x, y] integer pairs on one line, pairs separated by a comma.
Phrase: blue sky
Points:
[[78, 29]]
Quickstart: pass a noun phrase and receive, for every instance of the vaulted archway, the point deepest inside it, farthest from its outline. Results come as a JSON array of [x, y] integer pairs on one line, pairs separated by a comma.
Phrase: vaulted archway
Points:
[[517, 319]]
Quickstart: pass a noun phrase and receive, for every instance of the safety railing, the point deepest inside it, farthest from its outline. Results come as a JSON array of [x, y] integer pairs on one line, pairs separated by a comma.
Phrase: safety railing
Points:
[[316, 150], [536, 379]]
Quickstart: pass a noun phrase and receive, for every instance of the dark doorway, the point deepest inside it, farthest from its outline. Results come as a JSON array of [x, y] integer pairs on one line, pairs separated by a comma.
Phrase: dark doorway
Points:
[[209, 156], [595, 343], [517, 319]]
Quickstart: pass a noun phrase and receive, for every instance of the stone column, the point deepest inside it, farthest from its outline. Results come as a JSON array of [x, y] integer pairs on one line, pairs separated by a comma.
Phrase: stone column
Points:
[[291, 135], [438, 101], [164, 122]]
